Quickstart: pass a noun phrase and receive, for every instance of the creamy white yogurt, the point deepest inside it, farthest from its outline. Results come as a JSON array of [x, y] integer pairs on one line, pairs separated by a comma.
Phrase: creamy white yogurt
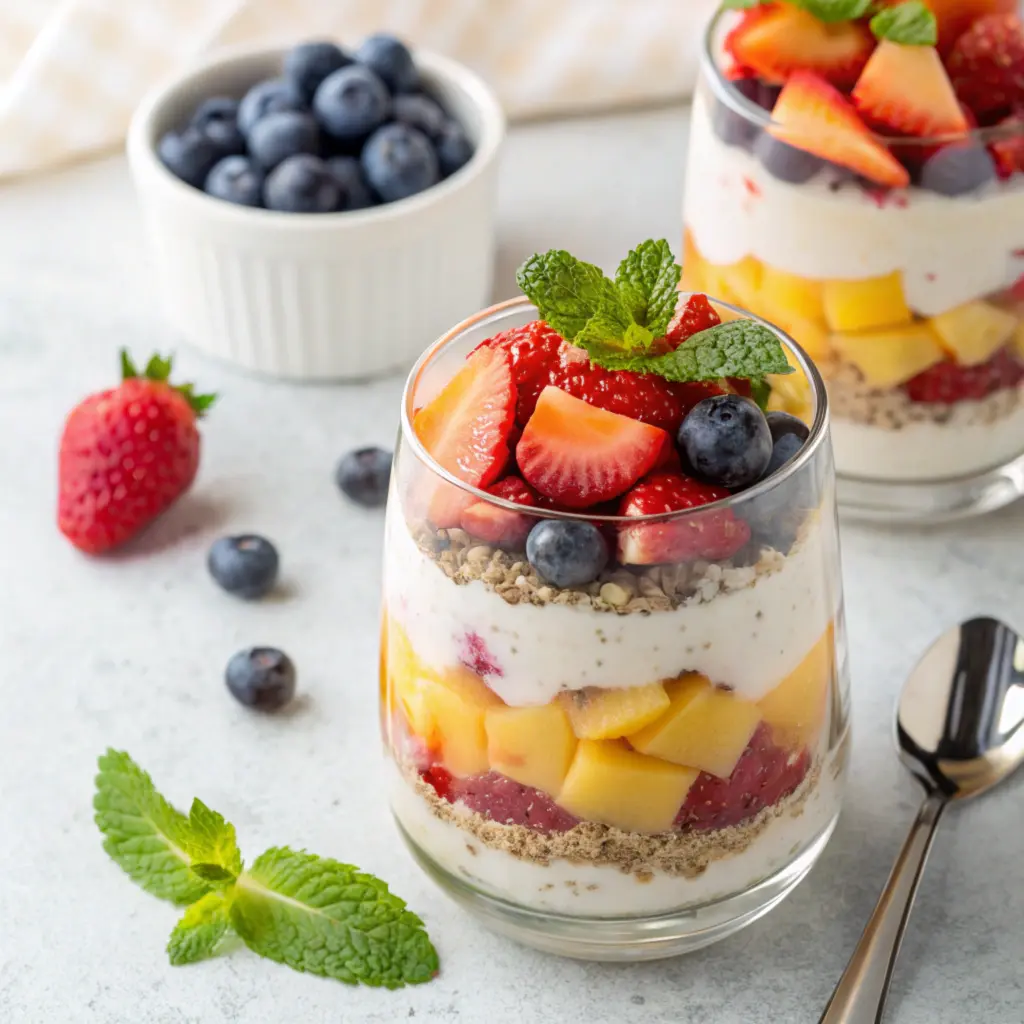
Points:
[[950, 250], [927, 451], [592, 890], [748, 639]]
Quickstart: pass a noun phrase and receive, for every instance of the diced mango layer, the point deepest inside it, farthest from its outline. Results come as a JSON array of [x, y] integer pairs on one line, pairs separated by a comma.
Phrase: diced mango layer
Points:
[[703, 728], [796, 707], [407, 682], [456, 702], [692, 279], [974, 332], [532, 745], [887, 358], [810, 335], [787, 296], [607, 714], [611, 784], [866, 304], [791, 392]]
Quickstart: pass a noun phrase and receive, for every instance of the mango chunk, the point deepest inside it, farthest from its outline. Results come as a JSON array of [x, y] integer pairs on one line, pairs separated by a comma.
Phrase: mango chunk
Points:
[[532, 745], [704, 727], [456, 703], [866, 304], [888, 358], [795, 709], [742, 281], [974, 332], [693, 278], [406, 682], [791, 393], [607, 714], [810, 335], [787, 296], [613, 785]]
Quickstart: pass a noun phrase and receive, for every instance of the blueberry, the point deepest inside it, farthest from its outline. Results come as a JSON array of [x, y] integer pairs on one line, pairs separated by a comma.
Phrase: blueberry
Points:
[[261, 677], [767, 95], [351, 103], [786, 162], [283, 134], [567, 553], [731, 126], [782, 423], [267, 97], [454, 150], [355, 193], [958, 169], [399, 161], [217, 117], [301, 184], [363, 475], [308, 64], [391, 59], [782, 451], [189, 155], [726, 441], [245, 565], [236, 179], [420, 111]]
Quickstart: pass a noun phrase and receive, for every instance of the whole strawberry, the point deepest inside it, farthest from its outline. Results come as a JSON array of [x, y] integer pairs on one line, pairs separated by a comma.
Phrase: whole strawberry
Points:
[[126, 455], [987, 66]]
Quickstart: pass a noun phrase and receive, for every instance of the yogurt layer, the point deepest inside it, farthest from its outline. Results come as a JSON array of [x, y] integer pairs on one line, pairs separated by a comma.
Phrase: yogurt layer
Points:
[[949, 249], [564, 887], [748, 639], [926, 451]]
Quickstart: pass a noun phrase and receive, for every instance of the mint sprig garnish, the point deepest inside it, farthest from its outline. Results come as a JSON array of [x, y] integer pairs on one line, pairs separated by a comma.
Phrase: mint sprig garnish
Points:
[[909, 24], [311, 913], [836, 10], [617, 322]]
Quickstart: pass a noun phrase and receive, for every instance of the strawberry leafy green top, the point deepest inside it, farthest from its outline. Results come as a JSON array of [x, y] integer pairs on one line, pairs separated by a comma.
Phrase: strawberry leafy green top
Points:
[[159, 369], [618, 322]]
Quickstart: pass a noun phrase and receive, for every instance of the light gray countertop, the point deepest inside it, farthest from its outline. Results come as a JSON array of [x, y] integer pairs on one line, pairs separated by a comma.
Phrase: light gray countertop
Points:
[[130, 651]]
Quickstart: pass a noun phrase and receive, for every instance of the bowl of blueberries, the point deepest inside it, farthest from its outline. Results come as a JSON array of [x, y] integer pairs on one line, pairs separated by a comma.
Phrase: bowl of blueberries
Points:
[[320, 213]]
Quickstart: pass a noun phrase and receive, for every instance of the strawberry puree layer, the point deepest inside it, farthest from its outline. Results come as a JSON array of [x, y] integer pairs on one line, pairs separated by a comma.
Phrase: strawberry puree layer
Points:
[[949, 249], [749, 639]]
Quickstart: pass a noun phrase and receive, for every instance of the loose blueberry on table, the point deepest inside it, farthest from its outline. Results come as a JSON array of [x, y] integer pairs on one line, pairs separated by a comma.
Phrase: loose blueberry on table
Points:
[[363, 476], [261, 678], [245, 565], [367, 129]]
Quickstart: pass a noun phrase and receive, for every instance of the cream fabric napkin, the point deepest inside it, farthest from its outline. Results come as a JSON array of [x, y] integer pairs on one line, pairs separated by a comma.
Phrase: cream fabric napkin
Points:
[[71, 71]]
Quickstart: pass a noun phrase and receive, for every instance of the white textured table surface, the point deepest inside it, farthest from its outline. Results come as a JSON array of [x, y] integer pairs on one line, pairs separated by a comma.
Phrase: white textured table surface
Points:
[[130, 652]]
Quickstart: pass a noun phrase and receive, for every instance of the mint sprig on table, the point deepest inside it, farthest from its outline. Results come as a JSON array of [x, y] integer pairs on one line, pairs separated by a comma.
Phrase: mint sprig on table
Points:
[[909, 24], [619, 322], [312, 913]]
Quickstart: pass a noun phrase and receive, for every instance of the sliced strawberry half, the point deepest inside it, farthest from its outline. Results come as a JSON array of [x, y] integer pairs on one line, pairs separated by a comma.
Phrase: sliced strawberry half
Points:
[[466, 429], [779, 39], [502, 526], [696, 315], [579, 455], [814, 116], [906, 89], [1008, 150], [715, 534], [533, 350]]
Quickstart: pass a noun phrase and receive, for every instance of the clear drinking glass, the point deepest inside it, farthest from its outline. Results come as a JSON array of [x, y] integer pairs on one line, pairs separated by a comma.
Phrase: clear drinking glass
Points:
[[625, 770], [911, 302]]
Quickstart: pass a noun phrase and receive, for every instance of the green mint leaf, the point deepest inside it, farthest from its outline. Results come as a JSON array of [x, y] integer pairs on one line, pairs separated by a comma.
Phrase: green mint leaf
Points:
[[142, 832], [196, 935], [328, 918], [909, 24], [741, 5], [211, 845], [836, 10], [741, 348], [648, 281], [760, 392]]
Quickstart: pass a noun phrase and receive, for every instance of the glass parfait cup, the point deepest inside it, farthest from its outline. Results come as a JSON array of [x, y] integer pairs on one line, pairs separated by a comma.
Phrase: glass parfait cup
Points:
[[910, 301], [629, 769]]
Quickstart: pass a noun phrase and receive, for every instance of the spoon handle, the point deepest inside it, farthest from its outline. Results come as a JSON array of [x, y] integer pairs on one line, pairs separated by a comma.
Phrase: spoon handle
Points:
[[860, 995]]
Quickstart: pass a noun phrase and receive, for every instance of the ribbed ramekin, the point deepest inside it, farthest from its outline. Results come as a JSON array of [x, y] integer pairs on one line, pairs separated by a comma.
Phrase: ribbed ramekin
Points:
[[318, 296]]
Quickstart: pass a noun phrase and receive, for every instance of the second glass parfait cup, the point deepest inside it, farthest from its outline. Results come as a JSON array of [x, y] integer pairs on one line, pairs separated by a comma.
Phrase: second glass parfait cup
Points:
[[632, 766], [897, 264]]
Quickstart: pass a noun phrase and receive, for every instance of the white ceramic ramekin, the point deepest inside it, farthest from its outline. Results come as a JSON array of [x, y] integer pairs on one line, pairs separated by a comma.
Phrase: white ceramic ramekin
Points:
[[319, 296]]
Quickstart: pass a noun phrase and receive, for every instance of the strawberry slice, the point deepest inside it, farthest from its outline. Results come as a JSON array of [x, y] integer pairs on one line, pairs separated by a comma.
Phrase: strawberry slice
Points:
[[466, 429], [906, 89], [778, 39], [717, 534], [696, 315], [814, 116], [501, 526], [579, 455], [1008, 149], [533, 350]]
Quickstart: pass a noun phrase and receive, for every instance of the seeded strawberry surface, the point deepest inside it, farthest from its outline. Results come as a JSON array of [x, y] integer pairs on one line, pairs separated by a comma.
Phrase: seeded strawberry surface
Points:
[[696, 315], [533, 350], [501, 526], [987, 66], [948, 382]]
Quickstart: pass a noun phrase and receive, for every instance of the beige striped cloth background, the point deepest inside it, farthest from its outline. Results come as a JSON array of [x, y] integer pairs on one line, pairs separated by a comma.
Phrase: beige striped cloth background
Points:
[[71, 71]]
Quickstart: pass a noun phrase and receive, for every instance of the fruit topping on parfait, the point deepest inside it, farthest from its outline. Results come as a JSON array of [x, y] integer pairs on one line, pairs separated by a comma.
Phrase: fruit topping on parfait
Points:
[[609, 672]]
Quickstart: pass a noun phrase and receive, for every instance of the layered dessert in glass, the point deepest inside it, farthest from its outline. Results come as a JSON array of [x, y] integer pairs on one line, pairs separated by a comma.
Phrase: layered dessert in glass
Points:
[[613, 681], [860, 183]]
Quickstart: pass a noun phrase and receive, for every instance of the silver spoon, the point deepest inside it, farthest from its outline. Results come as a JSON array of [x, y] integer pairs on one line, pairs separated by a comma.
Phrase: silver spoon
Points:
[[960, 730]]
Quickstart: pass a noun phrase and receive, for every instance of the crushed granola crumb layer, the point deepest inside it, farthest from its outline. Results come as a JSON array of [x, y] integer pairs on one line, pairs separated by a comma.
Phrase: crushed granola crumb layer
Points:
[[854, 399], [681, 854]]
